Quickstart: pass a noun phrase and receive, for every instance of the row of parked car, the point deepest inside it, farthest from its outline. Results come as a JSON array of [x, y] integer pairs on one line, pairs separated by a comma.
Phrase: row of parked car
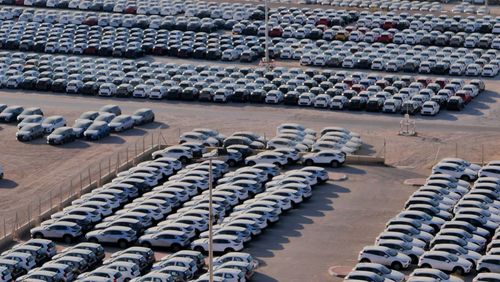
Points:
[[393, 5], [108, 214], [38, 260], [448, 226], [92, 125], [290, 86]]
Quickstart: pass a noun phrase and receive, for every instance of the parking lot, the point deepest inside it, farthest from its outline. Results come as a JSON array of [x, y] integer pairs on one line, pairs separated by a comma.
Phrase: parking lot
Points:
[[358, 65]]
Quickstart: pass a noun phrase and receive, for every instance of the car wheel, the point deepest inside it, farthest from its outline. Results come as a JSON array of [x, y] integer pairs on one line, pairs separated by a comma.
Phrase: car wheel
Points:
[[199, 249], [37, 235], [175, 247], [183, 159], [465, 178], [425, 265], [365, 260], [334, 164], [93, 240], [126, 279], [67, 239], [484, 270], [309, 162], [251, 163], [228, 250], [458, 270], [122, 243], [146, 245], [277, 164], [231, 163], [414, 259], [396, 265]]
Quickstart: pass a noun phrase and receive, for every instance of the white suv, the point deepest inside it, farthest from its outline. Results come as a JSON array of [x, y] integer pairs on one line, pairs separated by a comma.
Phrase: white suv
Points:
[[445, 261], [335, 158], [384, 256]]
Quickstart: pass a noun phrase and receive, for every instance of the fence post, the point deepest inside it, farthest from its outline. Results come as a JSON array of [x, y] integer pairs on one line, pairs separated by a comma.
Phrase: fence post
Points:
[[90, 180], [39, 209], [135, 153], [50, 196], [143, 144], [100, 175], [152, 140], [109, 166], [15, 227], [71, 187], [127, 157], [60, 197], [456, 150], [4, 228], [29, 215], [117, 163], [81, 184], [482, 154]]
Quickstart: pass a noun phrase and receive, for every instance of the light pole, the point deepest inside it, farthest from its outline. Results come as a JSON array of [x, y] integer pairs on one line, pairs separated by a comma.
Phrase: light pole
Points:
[[210, 219], [266, 24]]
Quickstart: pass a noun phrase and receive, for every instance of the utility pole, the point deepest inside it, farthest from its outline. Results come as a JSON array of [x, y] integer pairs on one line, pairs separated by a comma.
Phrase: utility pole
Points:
[[210, 219], [266, 24]]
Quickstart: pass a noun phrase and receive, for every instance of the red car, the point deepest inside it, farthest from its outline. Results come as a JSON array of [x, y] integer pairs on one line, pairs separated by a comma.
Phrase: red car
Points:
[[441, 81], [385, 37], [19, 2], [276, 31], [424, 80], [465, 95], [323, 21], [389, 24], [130, 10]]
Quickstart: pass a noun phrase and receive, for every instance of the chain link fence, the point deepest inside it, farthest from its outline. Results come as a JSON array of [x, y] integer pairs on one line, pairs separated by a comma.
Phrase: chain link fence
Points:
[[91, 176]]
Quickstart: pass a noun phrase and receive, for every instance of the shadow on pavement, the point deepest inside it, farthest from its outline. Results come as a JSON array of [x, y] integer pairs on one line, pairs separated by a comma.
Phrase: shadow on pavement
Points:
[[278, 234], [113, 139], [261, 277], [7, 184]]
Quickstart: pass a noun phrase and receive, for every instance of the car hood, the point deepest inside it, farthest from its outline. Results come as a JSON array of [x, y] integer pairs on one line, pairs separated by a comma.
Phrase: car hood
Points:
[[54, 136]]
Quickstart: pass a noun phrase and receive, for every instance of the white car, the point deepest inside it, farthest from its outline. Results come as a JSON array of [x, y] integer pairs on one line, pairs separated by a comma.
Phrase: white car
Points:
[[445, 261], [456, 171], [384, 256], [121, 235], [435, 274], [380, 270], [267, 158], [181, 153], [357, 275], [67, 231], [429, 108], [489, 263], [221, 243], [129, 270], [335, 158], [51, 123], [322, 101], [306, 99], [490, 171]]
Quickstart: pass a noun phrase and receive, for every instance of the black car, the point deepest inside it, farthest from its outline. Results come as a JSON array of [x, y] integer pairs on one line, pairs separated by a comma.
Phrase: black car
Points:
[[189, 93], [29, 132], [124, 90], [455, 103], [90, 88], [44, 84], [258, 96], [174, 93], [291, 98], [440, 68], [59, 85], [61, 135], [28, 83], [374, 105], [410, 66], [357, 103], [240, 95]]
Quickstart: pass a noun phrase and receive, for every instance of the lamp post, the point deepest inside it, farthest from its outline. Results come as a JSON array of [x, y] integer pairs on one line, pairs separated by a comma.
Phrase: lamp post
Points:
[[210, 219], [266, 24]]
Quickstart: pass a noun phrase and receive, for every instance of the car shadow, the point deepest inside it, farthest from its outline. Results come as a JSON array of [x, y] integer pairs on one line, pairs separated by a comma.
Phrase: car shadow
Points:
[[278, 234], [7, 184], [262, 277], [154, 125], [113, 139], [348, 170], [132, 132], [77, 144]]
